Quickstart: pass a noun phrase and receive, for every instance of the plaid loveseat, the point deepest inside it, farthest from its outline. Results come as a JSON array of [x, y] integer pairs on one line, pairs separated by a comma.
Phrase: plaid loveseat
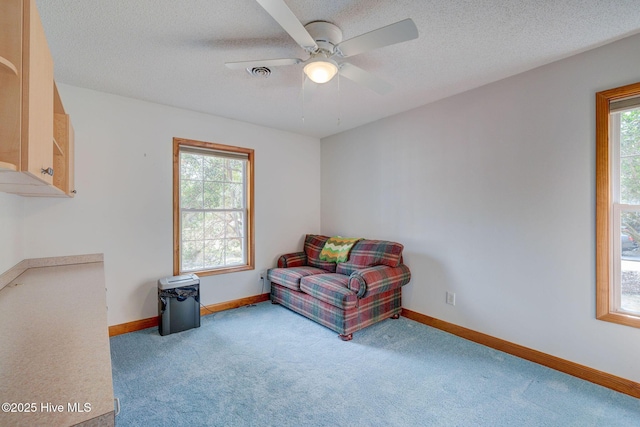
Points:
[[345, 296]]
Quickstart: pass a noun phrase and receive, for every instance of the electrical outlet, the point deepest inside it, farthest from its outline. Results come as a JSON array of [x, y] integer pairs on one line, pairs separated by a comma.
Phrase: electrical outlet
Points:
[[263, 274], [451, 298]]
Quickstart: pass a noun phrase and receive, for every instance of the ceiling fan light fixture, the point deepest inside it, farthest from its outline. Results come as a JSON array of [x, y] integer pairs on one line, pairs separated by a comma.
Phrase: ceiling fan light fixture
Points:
[[321, 70]]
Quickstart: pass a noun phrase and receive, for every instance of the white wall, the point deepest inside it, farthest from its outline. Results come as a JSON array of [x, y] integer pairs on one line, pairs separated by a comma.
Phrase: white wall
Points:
[[11, 228], [492, 192], [124, 203]]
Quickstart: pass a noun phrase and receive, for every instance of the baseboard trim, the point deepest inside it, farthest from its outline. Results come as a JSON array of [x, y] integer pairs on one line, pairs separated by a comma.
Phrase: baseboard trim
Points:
[[595, 376], [150, 322], [228, 305], [136, 325]]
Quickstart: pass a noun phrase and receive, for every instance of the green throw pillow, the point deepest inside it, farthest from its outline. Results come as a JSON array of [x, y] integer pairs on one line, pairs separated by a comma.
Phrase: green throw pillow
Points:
[[336, 249]]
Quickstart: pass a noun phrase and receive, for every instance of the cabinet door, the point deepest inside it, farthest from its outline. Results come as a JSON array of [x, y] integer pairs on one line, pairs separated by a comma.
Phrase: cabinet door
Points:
[[63, 153], [10, 83], [71, 158], [37, 97]]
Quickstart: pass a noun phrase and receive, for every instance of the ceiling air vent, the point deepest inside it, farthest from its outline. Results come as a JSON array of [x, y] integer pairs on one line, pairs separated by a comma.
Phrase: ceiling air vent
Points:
[[259, 72]]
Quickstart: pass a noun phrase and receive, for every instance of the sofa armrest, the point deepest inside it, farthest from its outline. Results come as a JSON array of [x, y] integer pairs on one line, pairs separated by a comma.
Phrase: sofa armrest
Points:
[[296, 259], [380, 278]]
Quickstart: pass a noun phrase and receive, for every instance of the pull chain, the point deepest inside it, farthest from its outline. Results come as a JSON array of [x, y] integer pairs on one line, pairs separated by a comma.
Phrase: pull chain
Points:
[[339, 109], [303, 84]]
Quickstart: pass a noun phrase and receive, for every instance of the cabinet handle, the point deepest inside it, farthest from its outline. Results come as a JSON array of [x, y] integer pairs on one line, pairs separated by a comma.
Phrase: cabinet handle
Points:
[[47, 171]]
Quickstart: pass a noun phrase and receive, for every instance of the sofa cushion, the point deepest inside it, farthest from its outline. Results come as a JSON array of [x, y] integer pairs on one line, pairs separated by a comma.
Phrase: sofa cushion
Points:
[[330, 288], [290, 277], [313, 245], [369, 253]]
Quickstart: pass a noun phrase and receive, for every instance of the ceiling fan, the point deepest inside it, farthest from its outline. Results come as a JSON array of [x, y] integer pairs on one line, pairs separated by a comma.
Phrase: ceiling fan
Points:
[[323, 42]]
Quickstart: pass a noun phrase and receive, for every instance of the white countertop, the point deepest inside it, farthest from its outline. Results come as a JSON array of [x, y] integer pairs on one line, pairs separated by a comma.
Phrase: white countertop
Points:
[[54, 347]]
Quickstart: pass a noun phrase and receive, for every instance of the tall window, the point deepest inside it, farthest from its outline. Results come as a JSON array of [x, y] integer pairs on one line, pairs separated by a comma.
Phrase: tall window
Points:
[[212, 208], [618, 205]]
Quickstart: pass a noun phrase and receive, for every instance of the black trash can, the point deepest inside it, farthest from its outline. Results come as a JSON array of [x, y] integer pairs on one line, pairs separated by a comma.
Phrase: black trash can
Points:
[[178, 303]]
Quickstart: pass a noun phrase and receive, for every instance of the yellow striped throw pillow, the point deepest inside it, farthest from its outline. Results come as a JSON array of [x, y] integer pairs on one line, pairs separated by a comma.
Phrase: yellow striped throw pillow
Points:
[[336, 249]]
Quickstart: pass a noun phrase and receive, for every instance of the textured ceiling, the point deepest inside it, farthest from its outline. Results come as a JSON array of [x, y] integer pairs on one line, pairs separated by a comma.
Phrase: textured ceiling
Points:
[[173, 52]]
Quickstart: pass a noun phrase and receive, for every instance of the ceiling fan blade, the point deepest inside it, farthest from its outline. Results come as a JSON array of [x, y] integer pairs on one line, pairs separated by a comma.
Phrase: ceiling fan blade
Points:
[[391, 34], [365, 78], [287, 20], [262, 63]]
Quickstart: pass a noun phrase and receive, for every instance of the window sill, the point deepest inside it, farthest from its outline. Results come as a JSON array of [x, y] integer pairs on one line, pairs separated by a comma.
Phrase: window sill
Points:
[[620, 318], [217, 271]]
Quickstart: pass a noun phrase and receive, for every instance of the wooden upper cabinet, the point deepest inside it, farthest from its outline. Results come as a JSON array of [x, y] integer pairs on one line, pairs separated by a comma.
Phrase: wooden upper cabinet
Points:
[[37, 98], [10, 83], [36, 136]]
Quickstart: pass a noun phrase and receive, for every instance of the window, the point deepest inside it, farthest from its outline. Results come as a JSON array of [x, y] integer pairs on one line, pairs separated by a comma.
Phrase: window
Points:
[[618, 205], [212, 208]]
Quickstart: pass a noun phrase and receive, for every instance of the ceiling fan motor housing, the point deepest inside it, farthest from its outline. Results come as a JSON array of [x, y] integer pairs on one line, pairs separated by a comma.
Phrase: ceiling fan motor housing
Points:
[[325, 34]]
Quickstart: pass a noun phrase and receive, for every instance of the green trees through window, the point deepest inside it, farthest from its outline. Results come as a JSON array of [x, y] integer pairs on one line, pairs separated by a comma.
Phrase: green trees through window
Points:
[[630, 157], [626, 136]]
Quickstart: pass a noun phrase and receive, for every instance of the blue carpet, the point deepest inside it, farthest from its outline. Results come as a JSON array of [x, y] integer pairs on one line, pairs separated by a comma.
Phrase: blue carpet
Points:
[[267, 366]]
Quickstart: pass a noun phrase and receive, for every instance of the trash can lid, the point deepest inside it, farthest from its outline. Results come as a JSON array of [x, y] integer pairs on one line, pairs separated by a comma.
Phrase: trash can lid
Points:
[[178, 281]]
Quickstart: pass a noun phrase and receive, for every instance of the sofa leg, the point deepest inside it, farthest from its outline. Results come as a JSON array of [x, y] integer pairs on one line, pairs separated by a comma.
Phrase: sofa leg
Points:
[[396, 316], [274, 302], [346, 337]]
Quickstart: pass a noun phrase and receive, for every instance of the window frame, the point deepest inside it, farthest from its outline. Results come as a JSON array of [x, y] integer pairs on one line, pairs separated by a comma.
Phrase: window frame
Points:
[[249, 238], [605, 218]]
